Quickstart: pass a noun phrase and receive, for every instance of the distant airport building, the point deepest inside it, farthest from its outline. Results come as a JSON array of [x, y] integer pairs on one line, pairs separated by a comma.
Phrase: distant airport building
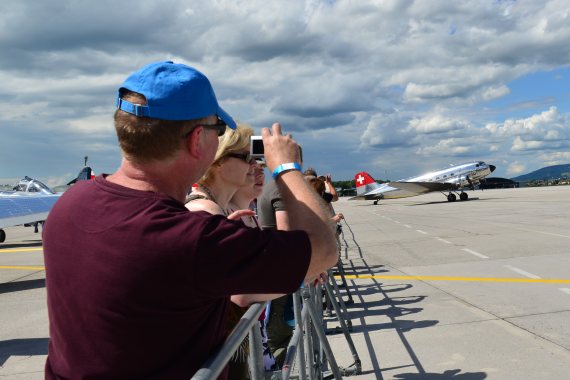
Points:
[[498, 183]]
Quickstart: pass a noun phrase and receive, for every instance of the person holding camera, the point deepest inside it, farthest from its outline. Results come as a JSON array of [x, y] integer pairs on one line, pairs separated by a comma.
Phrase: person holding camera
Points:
[[137, 285]]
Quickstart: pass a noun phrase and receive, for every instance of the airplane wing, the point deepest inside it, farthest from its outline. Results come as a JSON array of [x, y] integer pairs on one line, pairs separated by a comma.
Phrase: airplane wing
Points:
[[418, 188], [395, 190], [20, 208], [383, 191]]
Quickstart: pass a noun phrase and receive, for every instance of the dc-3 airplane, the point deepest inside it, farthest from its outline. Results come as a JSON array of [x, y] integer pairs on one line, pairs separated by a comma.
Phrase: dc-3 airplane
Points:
[[30, 202], [452, 181]]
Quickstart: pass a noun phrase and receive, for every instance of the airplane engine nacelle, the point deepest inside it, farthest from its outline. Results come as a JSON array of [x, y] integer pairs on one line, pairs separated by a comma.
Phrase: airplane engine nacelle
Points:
[[460, 181]]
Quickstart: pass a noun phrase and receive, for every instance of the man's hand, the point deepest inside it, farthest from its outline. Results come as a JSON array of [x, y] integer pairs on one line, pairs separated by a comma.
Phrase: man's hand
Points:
[[338, 217], [279, 149]]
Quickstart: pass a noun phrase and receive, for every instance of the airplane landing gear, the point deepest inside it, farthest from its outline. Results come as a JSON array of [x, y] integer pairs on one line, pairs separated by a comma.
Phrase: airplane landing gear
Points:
[[2, 236], [376, 202], [451, 197]]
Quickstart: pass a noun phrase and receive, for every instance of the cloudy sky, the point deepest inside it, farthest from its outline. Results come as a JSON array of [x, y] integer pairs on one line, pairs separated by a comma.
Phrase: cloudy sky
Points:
[[392, 87]]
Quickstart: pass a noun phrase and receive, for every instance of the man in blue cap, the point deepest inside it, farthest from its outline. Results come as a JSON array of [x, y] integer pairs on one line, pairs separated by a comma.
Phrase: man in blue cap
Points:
[[138, 286]]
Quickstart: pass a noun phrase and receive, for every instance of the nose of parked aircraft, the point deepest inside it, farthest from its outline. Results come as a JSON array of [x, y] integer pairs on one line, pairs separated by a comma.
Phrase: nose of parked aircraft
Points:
[[492, 168]]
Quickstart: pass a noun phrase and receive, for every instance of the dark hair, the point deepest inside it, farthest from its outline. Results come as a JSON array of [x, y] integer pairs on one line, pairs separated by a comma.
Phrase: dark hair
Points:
[[318, 184], [310, 171]]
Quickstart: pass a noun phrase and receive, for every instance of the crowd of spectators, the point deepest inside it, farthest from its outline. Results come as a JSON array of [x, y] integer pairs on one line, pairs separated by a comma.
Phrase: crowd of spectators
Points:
[[142, 276]]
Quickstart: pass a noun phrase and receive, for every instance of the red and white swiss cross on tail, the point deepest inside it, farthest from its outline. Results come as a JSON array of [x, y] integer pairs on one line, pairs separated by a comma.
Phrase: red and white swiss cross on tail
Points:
[[364, 183], [363, 178]]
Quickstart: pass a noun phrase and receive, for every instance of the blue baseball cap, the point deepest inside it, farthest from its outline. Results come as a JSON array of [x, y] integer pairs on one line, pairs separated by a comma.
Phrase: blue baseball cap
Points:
[[173, 91]]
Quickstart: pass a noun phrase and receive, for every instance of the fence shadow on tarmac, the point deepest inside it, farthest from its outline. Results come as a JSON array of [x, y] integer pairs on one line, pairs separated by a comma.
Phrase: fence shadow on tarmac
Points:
[[22, 347], [18, 286], [389, 305]]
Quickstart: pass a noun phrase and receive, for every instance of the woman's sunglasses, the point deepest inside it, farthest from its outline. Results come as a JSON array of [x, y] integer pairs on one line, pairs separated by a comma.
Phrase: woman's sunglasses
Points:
[[246, 157]]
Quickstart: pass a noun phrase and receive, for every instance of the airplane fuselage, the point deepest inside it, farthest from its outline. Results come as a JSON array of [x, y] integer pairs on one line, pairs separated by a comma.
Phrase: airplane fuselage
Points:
[[457, 177], [463, 175]]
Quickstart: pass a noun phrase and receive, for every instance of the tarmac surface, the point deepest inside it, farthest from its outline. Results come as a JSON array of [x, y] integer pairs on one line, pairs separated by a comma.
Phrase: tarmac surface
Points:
[[464, 290]]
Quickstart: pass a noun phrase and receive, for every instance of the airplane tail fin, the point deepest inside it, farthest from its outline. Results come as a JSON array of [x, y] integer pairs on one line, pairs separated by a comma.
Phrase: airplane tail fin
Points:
[[85, 174], [364, 183]]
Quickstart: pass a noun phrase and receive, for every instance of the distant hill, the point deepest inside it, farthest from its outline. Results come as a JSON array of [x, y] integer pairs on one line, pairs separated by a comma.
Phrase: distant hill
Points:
[[546, 173]]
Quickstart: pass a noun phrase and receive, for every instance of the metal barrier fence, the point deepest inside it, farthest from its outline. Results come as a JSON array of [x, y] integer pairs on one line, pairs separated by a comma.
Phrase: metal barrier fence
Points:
[[247, 324], [308, 351]]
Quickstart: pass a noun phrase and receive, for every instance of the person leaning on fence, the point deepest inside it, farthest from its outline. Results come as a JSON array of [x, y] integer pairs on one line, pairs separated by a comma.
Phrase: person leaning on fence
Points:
[[244, 198], [319, 186], [232, 170], [273, 214], [330, 192], [138, 286]]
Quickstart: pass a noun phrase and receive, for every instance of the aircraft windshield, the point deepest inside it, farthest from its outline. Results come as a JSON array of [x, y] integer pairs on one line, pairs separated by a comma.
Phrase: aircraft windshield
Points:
[[31, 185]]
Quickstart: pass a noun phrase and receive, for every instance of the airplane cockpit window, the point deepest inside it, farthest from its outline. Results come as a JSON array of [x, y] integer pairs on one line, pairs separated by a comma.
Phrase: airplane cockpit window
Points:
[[31, 185]]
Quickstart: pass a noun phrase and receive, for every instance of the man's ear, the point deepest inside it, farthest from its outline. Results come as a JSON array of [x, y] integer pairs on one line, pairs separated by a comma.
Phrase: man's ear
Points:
[[194, 142]]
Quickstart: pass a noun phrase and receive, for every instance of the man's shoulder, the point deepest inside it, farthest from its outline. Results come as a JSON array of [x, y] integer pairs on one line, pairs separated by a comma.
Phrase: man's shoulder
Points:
[[270, 191]]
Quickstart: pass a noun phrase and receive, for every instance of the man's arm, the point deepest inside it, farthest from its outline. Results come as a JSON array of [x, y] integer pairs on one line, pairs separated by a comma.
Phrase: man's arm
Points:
[[282, 220], [244, 300], [308, 212], [305, 209]]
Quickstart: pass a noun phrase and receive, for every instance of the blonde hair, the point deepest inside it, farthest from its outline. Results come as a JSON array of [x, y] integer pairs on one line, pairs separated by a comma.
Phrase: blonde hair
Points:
[[230, 142]]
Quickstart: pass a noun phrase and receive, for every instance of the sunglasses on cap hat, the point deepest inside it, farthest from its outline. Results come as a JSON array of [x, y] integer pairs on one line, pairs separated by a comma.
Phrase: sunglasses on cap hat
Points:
[[220, 126]]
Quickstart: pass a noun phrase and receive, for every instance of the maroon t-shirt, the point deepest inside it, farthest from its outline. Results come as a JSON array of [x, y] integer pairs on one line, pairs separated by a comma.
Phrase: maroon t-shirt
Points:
[[138, 286]]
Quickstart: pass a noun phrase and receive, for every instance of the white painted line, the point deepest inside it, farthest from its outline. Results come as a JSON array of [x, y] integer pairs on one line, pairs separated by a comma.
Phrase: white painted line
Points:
[[443, 240], [520, 271], [565, 290], [475, 253], [552, 234], [544, 233], [395, 221], [407, 226], [422, 232]]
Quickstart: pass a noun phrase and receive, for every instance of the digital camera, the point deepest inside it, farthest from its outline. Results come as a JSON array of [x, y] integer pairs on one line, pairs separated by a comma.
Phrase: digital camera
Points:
[[256, 148]]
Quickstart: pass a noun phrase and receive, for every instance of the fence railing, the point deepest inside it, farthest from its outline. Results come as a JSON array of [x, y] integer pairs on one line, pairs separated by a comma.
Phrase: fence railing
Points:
[[308, 344], [216, 364]]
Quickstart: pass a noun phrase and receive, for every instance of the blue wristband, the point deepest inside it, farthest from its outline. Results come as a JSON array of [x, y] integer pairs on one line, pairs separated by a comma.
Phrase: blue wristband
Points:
[[285, 167]]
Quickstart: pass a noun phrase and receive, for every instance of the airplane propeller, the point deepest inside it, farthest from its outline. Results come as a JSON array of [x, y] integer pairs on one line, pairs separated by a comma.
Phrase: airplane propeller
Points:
[[471, 185]]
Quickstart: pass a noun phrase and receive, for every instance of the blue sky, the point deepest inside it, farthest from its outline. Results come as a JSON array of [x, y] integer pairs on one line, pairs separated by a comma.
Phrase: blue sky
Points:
[[531, 92], [394, 87]]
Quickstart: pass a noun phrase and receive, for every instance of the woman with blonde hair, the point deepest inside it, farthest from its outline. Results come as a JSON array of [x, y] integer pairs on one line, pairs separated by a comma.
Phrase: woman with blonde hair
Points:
[[231, 169], [233, 172]]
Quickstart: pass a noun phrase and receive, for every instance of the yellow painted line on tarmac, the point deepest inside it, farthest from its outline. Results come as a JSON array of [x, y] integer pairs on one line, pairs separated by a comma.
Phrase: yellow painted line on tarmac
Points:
[[20, 250], [447, 278], [22, 267], [418, 278]]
